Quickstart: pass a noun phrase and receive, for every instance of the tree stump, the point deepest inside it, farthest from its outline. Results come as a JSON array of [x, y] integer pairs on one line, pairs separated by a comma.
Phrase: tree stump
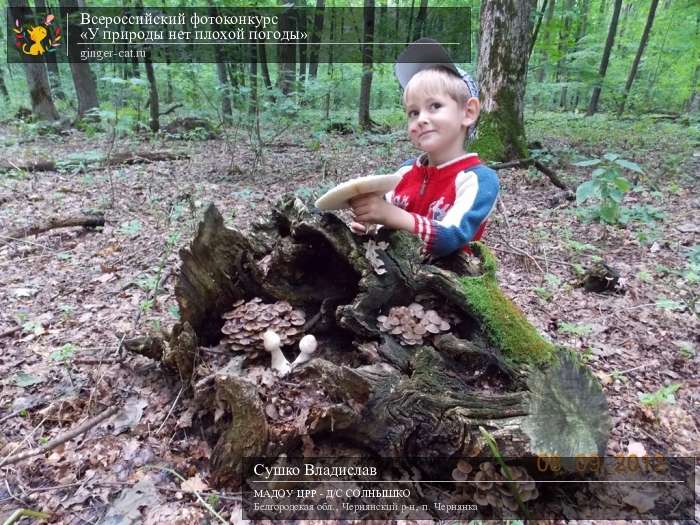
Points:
[[366, 387]]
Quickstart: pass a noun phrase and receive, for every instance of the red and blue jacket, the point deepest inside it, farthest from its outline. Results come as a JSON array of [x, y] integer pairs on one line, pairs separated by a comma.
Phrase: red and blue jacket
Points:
[[449, 203]]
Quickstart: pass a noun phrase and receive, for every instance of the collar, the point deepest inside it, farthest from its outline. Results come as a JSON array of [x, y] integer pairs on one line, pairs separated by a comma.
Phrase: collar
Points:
[[462, 162]]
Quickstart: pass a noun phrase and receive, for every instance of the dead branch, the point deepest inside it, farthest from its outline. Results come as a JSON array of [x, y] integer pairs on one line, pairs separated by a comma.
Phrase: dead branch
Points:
[[87, 221], [122, 157], [526, 163], [87, 425]]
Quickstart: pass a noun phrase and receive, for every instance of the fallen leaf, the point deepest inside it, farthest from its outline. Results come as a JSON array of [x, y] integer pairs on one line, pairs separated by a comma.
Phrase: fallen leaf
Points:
[[129, 416], [635, 448], [641, 501], [194, 484]]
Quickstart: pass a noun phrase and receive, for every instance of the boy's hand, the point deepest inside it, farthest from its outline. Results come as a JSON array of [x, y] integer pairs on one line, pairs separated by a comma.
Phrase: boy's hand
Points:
[[371, 208]]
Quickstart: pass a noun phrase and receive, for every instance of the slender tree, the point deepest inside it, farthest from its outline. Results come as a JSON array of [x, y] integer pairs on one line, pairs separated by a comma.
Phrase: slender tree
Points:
[[286, 53], [536, 32], [366, 83], [316, 38], [51, 64], [638, 56], [35, 72], [593, 105], [564, 37], [3, 87], [502, 73], [154, 106], [549, 13], [81, 72], [420, 20], [226, 108]]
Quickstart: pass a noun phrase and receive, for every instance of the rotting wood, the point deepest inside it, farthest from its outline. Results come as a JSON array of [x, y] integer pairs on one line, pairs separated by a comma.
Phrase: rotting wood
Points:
[[86, 221], [493, 370], [116, 159]]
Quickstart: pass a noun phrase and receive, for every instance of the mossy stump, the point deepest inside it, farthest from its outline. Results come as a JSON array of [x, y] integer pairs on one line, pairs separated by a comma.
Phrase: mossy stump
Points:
[[364, 388]]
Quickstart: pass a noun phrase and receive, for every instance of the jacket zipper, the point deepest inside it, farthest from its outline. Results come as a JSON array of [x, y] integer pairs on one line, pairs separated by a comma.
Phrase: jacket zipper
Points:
[[423, 184]]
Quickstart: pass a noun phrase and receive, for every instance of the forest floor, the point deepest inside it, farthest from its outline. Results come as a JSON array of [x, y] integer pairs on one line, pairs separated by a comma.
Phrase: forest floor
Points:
[[68, 296]]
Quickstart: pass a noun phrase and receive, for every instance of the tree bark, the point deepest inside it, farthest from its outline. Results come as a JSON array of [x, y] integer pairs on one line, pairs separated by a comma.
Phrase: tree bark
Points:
[[154, 106], [595, 96], [262, 57], [364, 119], [366, 385], [420, 20], [638, 56], [35, 72], [316, 38], [564, 44], [502, 73], [51, 64], [83, 76], [536, 32], [287, 54], [226, 109]]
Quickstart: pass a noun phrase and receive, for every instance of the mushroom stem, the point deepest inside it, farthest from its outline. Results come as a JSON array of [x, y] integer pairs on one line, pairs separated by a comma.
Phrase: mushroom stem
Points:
[[307, 346], [272, 343]]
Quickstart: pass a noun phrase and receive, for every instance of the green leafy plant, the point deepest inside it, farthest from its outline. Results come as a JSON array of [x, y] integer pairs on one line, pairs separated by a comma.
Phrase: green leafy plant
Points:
[[64, 353], [575, 329], [130, 228], [607, 186], [663, 396]]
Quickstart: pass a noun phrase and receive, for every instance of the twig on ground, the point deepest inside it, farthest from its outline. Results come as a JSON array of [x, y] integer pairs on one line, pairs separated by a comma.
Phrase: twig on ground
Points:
[[172, 407], [87, 425], [526, 163], [11, 331]]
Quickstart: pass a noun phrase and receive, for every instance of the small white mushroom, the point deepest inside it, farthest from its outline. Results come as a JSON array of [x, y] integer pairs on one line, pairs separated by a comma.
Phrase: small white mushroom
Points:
[[273, 343], [307, 346]]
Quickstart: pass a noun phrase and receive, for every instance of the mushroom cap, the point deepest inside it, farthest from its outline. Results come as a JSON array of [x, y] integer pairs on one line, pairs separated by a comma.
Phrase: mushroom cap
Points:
[[271, 340], [308, 344]]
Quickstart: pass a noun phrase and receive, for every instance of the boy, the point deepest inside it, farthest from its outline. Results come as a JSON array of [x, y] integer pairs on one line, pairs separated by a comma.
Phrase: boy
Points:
[[446, 195]]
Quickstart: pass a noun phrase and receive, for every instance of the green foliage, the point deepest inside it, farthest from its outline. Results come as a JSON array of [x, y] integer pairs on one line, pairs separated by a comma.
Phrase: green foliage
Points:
[[607, 186], [663, 396], [130, 228], [575, 329], [63, 354]]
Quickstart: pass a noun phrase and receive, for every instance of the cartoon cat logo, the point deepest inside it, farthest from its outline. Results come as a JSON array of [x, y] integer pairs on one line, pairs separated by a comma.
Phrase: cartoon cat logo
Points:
[[35, 40]]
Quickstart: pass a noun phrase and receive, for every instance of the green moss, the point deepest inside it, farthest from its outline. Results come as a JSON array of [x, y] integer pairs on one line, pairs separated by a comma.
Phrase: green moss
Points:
[[502, 321], [501, 136]]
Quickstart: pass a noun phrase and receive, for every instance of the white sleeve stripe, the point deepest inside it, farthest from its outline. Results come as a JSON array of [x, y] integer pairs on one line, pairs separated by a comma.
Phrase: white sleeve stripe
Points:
[[466, 190]]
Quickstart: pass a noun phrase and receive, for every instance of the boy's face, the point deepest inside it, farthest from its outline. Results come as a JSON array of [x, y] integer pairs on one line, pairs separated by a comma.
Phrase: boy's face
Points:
[[438, 125]]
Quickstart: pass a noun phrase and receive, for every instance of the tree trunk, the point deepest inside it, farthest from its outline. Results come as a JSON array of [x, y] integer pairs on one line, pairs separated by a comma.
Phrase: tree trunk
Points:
[[286, 53], [154, 123], [303, 48], [638, 56], [81, 72], [226, 109], [564, 45], [3, 87], [536, 32], [262, 57], [365, 121], [35, 72], [365, 384], [51, 64], [253, 102], [549, 13], [420, 20], [316, 38], [502, 73], [593, 106], [693, 103]]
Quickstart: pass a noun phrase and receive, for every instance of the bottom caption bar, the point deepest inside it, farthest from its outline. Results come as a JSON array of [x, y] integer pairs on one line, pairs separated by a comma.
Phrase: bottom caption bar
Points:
[[590, 487]]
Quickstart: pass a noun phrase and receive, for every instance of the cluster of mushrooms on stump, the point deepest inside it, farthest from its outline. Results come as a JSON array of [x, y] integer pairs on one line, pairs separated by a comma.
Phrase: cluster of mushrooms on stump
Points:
[[335, 343]]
